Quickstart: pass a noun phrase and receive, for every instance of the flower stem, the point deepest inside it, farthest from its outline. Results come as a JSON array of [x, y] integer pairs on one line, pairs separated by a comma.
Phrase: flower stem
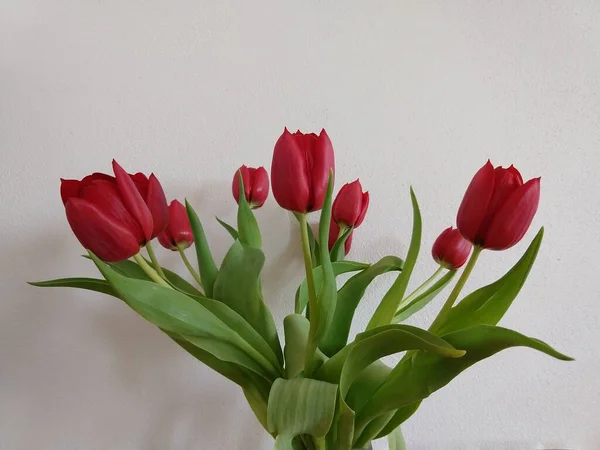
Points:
[[154, 260], [418, 291], [187, 263], [154, 276], [310, 281], [457, 288]]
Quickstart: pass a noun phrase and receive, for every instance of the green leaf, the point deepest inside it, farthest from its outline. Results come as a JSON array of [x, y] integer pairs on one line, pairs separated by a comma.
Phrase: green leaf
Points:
[[396, 440], [180, 283], [238, 286], [206, 264], [248, 230], [384, 314], [338, 251], [296, 328], [176, 313], [369, 347], [424, 373], [487, 305], [419, 302], [339, 268], [300, 406], [349, 296], [232, 231], [90, 284], [400, 416]]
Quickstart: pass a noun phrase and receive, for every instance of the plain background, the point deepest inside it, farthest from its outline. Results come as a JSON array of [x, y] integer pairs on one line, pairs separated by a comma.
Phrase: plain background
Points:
[[410, 92]]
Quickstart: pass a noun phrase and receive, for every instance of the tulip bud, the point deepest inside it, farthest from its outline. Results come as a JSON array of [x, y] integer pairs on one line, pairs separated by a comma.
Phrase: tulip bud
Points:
[[450, 249], [178, 233], [350, 205], [498, 207], [114, 216], [334, 234], [256, 185], [300, 170]]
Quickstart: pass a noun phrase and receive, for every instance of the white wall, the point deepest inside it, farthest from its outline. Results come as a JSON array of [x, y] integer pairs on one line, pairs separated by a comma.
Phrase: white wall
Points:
[[410, 92]]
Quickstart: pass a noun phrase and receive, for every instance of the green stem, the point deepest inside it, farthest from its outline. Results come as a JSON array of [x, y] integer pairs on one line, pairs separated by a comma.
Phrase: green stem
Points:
[[187, 263], [153, 274], [457, 288], [155, 260], [418, 291], [310, 281], [320, 443]]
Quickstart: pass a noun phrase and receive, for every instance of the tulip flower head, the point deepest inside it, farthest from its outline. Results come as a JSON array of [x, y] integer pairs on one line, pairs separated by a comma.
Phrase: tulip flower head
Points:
[[498, 208], [450, 249], [300, 170], [114, 216], [178, 233], [350, 205], [256, 185]]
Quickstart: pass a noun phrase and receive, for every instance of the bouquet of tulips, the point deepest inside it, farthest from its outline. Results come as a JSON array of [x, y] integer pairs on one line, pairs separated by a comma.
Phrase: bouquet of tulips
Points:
[[319, 388]]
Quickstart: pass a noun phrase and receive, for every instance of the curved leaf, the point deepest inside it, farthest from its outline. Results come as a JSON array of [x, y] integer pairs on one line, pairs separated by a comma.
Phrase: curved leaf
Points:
[[424, 373], [349, 296], [206, 264], [248, 230], [232, 231], [400, 416], [487, 305], [419, 302], [238, 286], [90, 284], [296, 328], [300, 406], [384, 314], [339, 268], [338, 251]]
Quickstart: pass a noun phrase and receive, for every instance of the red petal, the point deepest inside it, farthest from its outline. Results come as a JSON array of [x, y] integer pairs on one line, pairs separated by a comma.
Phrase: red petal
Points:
[[506, 181], [475, 202], [451, 249], [512, 221], [133, 201], [141, 183], [347, 206], [105, 197], [289, 174], [99, 233], [235, 185], [321, 161], [365, 206], [96, 176], [348, 243], [334, 233], [260, 187], [179, 224], [68, 189], [166, 240], [157, 204]]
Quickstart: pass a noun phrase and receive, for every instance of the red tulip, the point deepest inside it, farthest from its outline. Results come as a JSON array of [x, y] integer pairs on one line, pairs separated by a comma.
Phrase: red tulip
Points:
[[256, 185], [498, 207], [350, 205], [334, 234], [114, 216], [300, 170], [450, 249], [178, 233]]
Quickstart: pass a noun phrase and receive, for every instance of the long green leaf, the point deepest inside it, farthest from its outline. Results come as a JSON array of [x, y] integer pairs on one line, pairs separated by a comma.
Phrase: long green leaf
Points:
[[176, 313], [238, 286], [206, 263], [339, 268], [300, 406], [400, 416], [90, 284], [232, 231], [384, 314], [248, 230], [296, 328], [424, 373], [487, 305], [349, 296], [419, 302]]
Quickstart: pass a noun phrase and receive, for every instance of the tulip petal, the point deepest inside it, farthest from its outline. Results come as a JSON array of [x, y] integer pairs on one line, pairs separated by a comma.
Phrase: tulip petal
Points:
[[260, 186], [157, 204], [506, 181], [99, 233], [166, 240], [179, 224], [321, 161], [105, 197], [347, 206], [512, 221], [475, 202], [68, 189], [348, 243], [133, 200], [141, 183], [334, 234], [365, 206], [289, 174], [235, 185]]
